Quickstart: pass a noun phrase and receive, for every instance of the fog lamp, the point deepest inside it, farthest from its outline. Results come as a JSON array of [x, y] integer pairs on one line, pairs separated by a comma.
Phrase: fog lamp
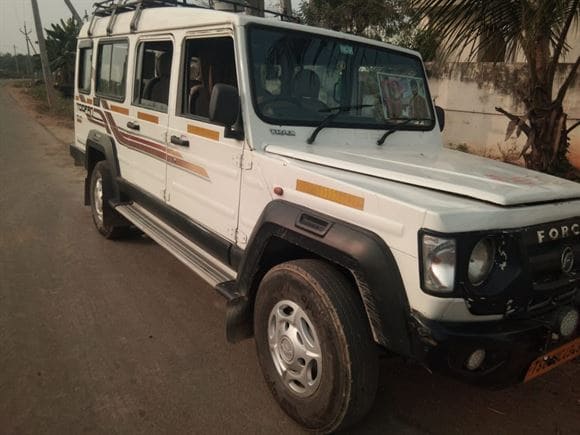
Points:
[[568, 321], [475, 359]]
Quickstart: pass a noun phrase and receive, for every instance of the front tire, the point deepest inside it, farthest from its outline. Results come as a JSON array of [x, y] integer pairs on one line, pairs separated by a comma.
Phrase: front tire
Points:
[[101, 192], [314, 345]]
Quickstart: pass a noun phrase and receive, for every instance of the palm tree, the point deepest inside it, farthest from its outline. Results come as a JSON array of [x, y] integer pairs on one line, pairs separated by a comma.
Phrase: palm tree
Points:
[[61, 44], [536, 28]]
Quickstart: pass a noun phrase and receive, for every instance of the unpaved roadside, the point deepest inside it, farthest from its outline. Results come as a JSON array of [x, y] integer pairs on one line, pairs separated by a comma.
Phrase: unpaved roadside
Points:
[[60, 128]]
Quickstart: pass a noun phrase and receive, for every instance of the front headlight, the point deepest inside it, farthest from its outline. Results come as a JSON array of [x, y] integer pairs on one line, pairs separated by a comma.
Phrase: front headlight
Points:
[[438, 263], [481, 261]]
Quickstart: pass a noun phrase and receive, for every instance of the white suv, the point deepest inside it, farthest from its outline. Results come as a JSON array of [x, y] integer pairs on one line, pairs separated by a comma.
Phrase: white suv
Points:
[[301, 172]]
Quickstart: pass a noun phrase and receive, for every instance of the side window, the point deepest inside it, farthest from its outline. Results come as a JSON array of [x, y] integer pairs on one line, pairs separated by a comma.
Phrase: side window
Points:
[[153, 74], [207, 62], [85, 70], [112, 69]]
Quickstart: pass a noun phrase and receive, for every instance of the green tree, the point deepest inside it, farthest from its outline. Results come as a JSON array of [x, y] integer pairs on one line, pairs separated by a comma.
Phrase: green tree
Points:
[[536, 28], [8, 65], [61, 42], [258, 4], [386, 20], [359, 17]]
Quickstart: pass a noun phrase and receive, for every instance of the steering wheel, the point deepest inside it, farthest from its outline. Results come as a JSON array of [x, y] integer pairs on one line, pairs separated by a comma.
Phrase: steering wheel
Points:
[[272, 101]]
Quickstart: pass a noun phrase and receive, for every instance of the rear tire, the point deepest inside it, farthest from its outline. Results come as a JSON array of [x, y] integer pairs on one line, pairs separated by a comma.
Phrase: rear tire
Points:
[[307, 307], [101, 191]]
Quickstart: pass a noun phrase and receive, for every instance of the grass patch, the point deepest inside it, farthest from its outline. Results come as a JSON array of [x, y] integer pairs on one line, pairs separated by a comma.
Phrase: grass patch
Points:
[[19, 84], [62, 107]]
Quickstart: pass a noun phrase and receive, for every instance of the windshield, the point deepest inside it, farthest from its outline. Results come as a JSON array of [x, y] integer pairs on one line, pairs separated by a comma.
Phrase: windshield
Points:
[[298, 78]]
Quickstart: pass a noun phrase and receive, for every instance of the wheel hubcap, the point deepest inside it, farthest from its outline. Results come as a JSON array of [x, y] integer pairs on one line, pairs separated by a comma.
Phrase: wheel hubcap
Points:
[[98, 198], [295, 348]]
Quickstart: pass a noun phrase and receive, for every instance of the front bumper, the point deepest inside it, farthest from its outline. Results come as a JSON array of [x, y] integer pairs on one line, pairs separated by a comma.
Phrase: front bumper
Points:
[[510, 346]]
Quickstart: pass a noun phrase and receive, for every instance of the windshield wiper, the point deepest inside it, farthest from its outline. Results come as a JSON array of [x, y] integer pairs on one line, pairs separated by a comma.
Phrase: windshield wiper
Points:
[[330, 118], [395, 128]]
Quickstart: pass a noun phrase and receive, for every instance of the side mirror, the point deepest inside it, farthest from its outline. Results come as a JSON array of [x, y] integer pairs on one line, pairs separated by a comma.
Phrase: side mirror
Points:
[[440, 117], [224, 108]]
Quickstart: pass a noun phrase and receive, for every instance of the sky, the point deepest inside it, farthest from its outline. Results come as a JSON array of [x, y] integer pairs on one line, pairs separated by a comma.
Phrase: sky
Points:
[[14, 13]]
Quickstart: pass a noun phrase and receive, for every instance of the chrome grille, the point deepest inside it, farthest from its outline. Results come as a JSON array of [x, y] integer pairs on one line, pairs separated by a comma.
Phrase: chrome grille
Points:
[[552, 285]]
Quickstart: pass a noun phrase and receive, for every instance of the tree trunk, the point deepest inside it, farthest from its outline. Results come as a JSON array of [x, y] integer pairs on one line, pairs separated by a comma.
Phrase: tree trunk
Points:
[[286, 7], [259, 7], [548, 140]]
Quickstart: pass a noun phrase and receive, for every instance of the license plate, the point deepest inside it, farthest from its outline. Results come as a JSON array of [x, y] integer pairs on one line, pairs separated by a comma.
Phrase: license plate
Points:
[[553, 359]]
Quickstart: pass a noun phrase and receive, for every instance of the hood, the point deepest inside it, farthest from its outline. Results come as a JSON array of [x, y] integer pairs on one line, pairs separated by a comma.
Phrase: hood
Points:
[[442, 170]]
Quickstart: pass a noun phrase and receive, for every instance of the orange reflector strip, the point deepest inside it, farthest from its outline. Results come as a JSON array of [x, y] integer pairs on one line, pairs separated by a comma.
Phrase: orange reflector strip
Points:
[[203, 132], [119, 109], [148, 117], [192, 167], [329, 194]]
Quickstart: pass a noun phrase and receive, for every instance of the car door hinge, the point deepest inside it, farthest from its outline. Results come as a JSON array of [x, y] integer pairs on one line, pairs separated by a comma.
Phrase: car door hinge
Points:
[[165, 195], [243, 162]]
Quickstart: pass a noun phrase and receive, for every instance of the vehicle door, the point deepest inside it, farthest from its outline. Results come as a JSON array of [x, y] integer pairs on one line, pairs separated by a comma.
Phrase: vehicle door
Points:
[[203, 170], [146, 130], [143, 130], [83, 94]]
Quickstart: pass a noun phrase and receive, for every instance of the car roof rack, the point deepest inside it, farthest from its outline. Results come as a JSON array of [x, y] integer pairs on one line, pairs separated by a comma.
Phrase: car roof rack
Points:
[[111, 8]]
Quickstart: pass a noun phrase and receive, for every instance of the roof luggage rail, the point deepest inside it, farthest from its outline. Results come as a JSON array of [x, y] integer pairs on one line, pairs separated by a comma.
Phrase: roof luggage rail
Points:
[[111, 8], [136, 17]]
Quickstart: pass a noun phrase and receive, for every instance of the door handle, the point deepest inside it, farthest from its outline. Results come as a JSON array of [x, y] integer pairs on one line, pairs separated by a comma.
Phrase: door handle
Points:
[[133, 126], [176, 140]]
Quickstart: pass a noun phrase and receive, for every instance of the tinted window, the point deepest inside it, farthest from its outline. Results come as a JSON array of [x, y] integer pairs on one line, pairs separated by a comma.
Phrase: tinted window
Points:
[[153, 75], [85, 63], [112, 69], [207, 63]]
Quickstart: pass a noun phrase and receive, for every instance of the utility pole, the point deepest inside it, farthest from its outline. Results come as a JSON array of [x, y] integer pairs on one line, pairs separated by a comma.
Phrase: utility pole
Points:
[[74, 12], [50, 96], [26, 34], [29, 43], [16, 60]]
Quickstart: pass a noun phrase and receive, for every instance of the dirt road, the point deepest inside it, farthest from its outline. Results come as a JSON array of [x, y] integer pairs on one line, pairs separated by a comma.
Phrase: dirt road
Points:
[[118, 337]]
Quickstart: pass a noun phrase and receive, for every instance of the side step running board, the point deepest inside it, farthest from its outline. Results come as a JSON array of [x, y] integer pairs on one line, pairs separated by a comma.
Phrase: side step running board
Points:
[[206, 266]]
